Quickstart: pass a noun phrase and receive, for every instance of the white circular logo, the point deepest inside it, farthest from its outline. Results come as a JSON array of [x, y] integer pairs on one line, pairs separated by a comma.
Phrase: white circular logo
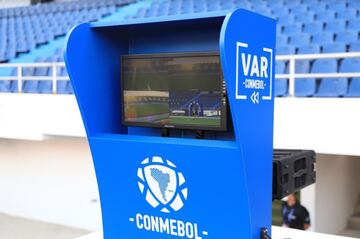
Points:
[[162, 184]]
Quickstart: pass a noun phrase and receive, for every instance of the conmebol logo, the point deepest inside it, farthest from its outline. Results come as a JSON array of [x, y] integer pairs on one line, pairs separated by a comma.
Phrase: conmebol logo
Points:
[[162, 184]]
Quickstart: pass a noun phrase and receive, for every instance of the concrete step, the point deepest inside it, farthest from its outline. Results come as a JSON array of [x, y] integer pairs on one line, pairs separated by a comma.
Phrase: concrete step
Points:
[[354, 223], [350, 233]]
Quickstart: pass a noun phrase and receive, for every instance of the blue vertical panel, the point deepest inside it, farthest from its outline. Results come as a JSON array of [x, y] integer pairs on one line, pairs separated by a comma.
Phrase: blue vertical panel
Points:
[[247, 44], [157, 188]]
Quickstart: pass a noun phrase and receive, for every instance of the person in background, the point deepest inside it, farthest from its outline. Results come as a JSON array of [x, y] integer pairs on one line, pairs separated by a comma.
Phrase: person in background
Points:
[[294, 214]]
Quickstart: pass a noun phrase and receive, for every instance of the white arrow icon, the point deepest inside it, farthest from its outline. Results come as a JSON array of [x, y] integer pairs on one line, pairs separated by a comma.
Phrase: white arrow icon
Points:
[[255, 97]]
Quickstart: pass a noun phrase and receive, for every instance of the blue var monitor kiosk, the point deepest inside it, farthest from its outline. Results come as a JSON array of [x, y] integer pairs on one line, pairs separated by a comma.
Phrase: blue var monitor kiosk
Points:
[[155, 187]]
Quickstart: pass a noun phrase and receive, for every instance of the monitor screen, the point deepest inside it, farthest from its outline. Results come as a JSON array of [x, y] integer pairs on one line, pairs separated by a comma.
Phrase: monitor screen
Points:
[[174, 91]]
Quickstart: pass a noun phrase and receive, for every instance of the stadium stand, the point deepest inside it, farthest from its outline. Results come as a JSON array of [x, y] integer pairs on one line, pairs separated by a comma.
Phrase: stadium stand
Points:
[[304, 27]]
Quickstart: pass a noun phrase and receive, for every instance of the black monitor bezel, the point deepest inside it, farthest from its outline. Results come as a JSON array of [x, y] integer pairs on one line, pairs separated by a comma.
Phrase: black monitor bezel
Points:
[[224, 108]]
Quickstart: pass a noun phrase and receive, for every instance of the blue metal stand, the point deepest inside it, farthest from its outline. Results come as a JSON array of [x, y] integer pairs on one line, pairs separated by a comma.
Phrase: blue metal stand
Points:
[[222, 184]]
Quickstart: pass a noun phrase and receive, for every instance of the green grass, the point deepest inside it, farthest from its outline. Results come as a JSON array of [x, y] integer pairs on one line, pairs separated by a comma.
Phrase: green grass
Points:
[[143, 110], [183, 120]]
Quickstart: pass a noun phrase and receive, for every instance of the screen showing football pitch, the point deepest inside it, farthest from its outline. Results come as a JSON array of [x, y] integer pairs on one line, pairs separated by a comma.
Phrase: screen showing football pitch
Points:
[[173, 91]]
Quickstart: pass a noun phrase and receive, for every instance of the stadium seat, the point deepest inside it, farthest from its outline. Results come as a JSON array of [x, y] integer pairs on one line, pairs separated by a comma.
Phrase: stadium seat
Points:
[[302, 66], [352, 65], [293, 29], [300, 39], [355, 46], [5, 86], [354, 4], [294, 4], [323, 38], [354, 88], [282, 40], [285, 50], [304, 87], [30, 86], [281, 85], [354, 25], [318, 6], [325, 16], [348, 14], [334, 48], [309, 49], [280, 11], [280, 67], [61, 87], [45, 86], [347, 36], [329, 87], [313, 27], [335, 26], [286, 19], [298, 8], [306, 17], [337, 6]]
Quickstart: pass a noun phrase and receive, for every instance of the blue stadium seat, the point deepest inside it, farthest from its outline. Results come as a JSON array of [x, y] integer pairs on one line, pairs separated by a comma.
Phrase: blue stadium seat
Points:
[[298, 8], [318, 7], [293, 3], [61, 87], [281, 40], [280, 67], [334, 48], [285, 50], [352, 65], [347, 36], [309, 49], [306, 17], [293, 29], [355, 46], [280, 11], [302, 66], [286, 19], [5, 86], [266, 12], [281, 85], [304, 87], [69, 88], [354, 25], [337, 6], [348, 14], [30, 86], [325, 16], [300, 39], [329, 87], [313, 27], [276, 5], [323, 38], [335, 26], [354, 5], [354, 88]]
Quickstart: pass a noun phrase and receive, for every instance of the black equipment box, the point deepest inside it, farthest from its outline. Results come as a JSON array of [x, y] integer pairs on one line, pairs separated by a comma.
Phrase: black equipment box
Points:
[[292, 171]]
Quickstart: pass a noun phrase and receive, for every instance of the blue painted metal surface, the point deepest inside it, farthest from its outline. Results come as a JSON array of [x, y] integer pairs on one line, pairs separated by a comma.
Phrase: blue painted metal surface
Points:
[[220, 187]]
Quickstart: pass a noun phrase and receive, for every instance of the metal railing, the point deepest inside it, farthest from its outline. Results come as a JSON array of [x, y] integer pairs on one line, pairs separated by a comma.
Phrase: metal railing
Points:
[[55, 70], [290, 59], [292, 75]]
